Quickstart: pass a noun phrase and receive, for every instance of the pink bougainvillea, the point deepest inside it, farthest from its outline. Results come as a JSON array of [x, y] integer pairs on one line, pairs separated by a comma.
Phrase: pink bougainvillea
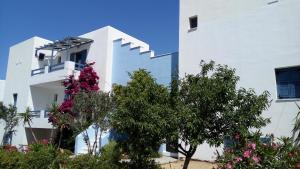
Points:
[[87, 81]]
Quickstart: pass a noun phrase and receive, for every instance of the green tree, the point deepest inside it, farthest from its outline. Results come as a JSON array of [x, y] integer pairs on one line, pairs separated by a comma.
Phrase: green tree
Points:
[[27, 119], [209, 107], [9, 116], [141, 116], [92, 108]]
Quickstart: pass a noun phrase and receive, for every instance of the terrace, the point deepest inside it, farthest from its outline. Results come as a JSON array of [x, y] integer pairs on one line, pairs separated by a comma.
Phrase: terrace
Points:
[[60, 57]]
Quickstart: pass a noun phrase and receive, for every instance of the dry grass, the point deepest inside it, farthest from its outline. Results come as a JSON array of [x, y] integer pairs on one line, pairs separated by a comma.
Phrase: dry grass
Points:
[[192, 165]]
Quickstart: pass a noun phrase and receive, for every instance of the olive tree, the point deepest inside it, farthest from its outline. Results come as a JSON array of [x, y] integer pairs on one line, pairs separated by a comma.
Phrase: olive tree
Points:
[[92, 108], [208, 106]]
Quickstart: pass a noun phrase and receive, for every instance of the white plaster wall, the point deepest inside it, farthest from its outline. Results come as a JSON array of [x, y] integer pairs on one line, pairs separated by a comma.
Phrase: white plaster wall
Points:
[[2, 86], [101, 50], [37, 91], [20, 62], [252, 36]]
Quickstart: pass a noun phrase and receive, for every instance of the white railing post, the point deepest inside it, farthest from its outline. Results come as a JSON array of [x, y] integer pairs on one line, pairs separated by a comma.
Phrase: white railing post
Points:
[[46, 69], [42, 113]]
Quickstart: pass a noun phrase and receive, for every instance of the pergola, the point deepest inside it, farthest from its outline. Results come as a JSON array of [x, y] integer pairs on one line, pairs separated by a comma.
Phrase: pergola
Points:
[[65, 44]]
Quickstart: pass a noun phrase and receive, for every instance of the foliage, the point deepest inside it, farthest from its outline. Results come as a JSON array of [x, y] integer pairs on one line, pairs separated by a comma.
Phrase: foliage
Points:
[[40, 156], [86, 82], [296, 129], [209, 107], [10, 159], [110, 157], [255, 154], [141, 114], [45, 156], [63, 116], [92, 108], [9, 116], [111, 153]]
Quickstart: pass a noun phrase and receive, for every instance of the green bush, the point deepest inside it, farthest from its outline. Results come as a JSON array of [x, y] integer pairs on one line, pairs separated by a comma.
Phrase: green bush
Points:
[[254, 154], [111, 153], [10, 159], [40, 157], [83, 161]]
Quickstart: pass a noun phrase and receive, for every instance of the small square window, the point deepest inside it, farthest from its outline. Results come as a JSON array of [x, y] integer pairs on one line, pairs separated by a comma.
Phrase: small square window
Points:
[[15, 97], [288, 82], [55, 98], [193, 22]]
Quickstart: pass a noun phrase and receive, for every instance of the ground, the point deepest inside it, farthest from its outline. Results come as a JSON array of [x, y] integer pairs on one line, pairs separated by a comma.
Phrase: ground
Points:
[[193, 165]]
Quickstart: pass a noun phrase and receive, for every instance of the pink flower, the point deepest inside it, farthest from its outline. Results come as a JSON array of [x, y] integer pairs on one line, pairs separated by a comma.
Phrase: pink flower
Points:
[[252, 146], [237, 136], [274, 146], [237, 159], [228, 166], [247, 153], [256, 159]]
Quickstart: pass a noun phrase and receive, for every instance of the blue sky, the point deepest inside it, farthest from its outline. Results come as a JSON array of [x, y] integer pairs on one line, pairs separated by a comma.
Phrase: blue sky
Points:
[[153, 21]]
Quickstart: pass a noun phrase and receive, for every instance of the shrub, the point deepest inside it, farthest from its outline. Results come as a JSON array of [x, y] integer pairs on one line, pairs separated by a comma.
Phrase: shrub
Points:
[[255, 154], [111, 153], [40, 156], [83, 161], [10, 159]]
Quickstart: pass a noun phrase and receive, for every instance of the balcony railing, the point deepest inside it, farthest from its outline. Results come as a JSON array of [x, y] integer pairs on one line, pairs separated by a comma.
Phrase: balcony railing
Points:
[[56, 67], [37, 71], [40, 113], [79, 66]]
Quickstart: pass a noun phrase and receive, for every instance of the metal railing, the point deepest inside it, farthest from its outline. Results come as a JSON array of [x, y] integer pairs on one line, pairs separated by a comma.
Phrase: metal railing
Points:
[[52, 68], [79, 66], [35, 113], [37, 71], [46, 113], [55, 67], [40, 113]]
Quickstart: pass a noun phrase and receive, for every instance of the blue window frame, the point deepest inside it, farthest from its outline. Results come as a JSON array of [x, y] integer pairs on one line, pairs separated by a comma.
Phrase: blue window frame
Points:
[[288, 82]]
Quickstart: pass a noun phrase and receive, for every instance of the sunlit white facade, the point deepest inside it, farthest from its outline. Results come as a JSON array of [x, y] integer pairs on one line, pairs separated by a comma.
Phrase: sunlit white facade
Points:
[[259, 38]]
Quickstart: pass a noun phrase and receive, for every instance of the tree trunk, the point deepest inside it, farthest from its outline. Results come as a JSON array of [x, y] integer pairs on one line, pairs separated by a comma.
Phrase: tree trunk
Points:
[[186, 162], [60, 136], [95, 141], [34, 137], [88, 141], [51, 136], [100, 137]]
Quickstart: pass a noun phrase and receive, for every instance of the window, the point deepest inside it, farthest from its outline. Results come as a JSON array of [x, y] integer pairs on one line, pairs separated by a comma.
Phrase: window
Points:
[[193, 22], [15, 96], [58, 60], [41, 56], [79, 57], [55, 98], [288, 82]]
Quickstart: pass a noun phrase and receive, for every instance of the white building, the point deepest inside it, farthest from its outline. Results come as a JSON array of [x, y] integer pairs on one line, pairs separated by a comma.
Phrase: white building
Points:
[[260, 38], [37, 67]]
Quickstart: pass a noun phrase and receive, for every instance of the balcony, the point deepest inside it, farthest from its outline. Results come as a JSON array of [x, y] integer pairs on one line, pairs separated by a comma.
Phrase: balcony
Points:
[[39, 113], [54, 73], [56, 67], [40, 119]]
